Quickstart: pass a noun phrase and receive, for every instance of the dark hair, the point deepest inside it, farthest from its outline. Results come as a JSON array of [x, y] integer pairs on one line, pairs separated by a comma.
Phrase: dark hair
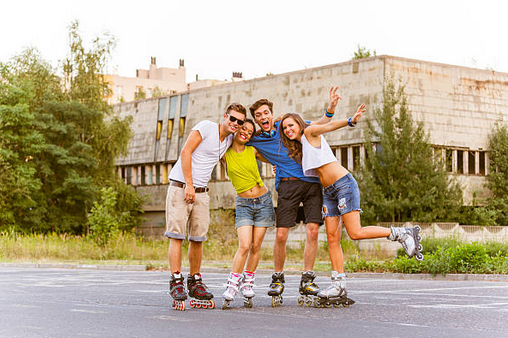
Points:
[[258, 104], [253, 124], [236, 107], [294, 147]]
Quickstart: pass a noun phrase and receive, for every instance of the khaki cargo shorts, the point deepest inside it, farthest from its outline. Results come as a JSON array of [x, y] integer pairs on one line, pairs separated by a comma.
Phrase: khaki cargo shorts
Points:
[[183, 218]]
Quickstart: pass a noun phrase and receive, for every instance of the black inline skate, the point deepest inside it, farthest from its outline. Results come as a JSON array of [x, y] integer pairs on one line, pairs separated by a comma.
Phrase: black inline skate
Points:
[[177, 291], [200, 296], [308, 289], [276, 288], [410, 239]]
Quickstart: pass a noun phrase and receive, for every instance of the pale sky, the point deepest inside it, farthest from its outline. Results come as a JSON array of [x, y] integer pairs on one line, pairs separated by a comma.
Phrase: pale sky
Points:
[[217, 37]]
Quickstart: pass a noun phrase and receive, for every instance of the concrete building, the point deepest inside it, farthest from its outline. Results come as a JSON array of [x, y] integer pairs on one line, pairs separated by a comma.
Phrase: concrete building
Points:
[[155, 81], [458, 106]]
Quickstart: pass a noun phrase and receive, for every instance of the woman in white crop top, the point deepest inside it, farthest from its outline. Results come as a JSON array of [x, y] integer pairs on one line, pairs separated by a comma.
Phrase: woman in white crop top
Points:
[[341, 196]]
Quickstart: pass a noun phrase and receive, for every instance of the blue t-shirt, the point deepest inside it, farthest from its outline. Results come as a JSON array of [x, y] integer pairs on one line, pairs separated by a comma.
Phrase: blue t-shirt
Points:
[[277, 154]]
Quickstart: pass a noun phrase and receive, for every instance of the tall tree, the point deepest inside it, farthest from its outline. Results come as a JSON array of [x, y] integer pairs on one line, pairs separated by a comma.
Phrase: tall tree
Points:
[[400, 180], [64, 137], [497, 180]]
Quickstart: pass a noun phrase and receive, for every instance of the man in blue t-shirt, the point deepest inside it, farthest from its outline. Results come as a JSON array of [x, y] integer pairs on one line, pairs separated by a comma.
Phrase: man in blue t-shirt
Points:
[[293, 188]]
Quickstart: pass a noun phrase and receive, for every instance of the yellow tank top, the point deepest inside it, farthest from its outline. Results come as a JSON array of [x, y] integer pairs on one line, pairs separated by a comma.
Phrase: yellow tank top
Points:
[[242, 169]]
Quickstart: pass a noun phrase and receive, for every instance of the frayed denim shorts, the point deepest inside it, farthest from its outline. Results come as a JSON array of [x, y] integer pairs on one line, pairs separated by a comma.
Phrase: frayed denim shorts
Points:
[[255, 211], [341, 197]]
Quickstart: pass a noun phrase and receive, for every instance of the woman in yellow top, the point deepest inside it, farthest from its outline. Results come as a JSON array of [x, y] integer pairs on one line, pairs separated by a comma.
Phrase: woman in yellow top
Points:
[[254, 213]]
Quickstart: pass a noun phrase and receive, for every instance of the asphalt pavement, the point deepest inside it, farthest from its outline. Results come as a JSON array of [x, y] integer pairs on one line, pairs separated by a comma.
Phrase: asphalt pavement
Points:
[[101, 303]]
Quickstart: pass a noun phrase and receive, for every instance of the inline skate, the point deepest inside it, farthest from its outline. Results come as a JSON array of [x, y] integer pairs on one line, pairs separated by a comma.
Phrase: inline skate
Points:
[[308, 289], [232, 288], [198, 292], [276, 288], [247, 289], [410, 239], [177, 291], [335, 295]]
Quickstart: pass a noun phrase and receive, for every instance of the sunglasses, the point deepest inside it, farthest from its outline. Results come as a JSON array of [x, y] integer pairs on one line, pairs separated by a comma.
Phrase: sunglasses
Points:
[[237, 120]]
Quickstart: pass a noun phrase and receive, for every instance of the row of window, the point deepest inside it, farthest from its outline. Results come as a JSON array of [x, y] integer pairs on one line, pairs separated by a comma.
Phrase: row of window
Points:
[[458, 161]]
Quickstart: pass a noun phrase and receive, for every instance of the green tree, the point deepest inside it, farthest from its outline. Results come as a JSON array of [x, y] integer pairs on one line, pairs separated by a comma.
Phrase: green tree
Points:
[[400, 180], [63, 137], [497, 179], [362, 53]]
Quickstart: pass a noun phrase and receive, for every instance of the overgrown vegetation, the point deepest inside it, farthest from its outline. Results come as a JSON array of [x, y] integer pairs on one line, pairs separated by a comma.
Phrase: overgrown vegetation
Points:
[[443, 256], [403, 181], [58, 141]]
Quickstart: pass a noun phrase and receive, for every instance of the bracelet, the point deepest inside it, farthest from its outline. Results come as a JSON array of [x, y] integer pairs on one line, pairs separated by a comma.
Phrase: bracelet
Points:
[[328, 114], [350, 122]]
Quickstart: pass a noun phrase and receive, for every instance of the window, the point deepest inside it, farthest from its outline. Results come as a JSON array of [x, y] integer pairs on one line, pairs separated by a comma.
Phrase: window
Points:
[[482, 163], [183, 113], [471, 162], [448, 159], [158, 132], [143, 172], [343, 157], [128, 175], [460, 161], [356, 157], [157, 174], [171, 120]]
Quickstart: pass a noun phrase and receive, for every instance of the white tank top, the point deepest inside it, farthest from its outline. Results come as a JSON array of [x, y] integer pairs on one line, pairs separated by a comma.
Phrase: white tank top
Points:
[[315, 157]]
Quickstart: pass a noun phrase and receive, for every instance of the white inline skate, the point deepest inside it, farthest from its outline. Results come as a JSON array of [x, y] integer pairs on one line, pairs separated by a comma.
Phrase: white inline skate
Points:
[[410, 239]]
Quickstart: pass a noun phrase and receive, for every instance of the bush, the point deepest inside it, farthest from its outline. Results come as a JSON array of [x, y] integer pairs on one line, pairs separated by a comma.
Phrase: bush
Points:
[[104, 223]]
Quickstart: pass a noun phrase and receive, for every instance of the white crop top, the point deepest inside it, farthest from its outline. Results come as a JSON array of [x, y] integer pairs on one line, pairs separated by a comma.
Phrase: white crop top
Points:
[[315, 157]]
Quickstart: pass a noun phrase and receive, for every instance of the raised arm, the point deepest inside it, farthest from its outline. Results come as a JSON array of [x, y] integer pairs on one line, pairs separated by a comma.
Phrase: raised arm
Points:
[[334, 100], [191, 144], [318, 129]]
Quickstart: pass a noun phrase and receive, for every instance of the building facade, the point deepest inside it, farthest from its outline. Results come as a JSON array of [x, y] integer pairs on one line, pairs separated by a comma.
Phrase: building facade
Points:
[[458, 106]]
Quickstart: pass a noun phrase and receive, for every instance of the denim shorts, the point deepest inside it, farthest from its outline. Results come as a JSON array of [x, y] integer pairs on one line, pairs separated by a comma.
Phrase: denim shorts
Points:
[[255, 211], [341, 197]]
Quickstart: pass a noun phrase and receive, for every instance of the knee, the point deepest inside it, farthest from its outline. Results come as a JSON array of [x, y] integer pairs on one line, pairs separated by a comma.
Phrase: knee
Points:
[[333, 237], [281, 236], [312, 234], [243, 248], [355, 235], [254, 249]]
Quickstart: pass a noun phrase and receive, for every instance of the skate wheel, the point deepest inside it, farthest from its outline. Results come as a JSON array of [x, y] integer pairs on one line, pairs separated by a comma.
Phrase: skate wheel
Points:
[[419, 238], [211, 305], [338, 305], [198, 306], [300, 301], [179, 305], [328, 305], [417, 227], [420, 247], [308, 302], [419, 257]]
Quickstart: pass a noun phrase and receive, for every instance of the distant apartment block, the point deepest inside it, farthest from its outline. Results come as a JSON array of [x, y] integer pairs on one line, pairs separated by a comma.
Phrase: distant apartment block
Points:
[[152, 82]]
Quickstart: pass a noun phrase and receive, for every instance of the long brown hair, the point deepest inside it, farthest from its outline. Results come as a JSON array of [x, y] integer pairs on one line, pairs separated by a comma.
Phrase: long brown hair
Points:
[[294, 147]]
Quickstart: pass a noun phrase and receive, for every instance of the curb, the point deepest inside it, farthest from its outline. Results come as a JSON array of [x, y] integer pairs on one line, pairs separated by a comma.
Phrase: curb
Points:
[[75, 266], [370, 275]]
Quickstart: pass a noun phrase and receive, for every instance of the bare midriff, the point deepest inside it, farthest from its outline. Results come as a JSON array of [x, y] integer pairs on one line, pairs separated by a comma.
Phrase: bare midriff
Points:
[[331, 172], [254, 192]]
